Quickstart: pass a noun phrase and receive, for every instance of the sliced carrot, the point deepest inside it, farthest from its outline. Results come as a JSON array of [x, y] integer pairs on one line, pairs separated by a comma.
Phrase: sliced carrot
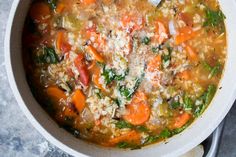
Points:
[[192, 55], [60, 8], [184, 34], [154, 64], [161, 32], [88, 2], [138, 111], [78, 99], [56, 93], [61, 42], [181, 120], [40, 12], [92, 65], [132, 21], [92, 51], [185, 75], [96, 76], [131, 136]]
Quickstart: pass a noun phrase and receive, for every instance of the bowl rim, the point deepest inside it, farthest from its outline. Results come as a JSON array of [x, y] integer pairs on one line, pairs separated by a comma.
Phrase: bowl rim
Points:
[[56, 142]]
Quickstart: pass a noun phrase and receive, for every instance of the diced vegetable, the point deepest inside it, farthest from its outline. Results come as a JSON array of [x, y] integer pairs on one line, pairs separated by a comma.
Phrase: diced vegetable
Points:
[[214, 18], [184, 34], [123, 124], [88, 2], [146, 40], [71, 22], [186, 75], [82, 68], [55, 93], [181, 120], [60, 7], [161, 32], [138, 111], [52, 3], [49, 56], [78, 99], [92, 51], [192, 55], [61, 44], [131, 136]]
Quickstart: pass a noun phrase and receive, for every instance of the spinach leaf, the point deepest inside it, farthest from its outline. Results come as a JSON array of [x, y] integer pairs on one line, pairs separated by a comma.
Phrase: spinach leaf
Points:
[[188, 103], [142, 128], [49, 56], [215, 70], [128, 145], [175, 104], [153, 138], [123, 124], [165, 133], [205, 100], [214, 18], [52, 4], [146, 40], [109, 75], [166, 58], [129, 92]]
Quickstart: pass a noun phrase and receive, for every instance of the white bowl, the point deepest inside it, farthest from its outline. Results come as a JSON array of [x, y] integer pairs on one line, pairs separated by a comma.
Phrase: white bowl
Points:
[[175, 146]]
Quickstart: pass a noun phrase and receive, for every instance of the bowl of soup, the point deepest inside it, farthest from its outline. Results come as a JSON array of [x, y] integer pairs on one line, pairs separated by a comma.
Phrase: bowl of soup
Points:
[[122, 78]]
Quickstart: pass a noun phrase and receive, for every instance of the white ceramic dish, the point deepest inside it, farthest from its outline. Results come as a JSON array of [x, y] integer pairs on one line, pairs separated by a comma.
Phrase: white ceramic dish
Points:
[[175, 146]]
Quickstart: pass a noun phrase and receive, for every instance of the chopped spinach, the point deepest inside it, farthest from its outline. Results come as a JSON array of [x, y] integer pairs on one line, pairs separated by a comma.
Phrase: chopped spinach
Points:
[[175, 104], [165, 134], [166, 58], [123, 124], [213, 71], [49, 56], [214, 18], [125, 145], [205, 99], [109, 75], [146, 40], [129, 92], [142, 128], [188, 103], [52, 4]]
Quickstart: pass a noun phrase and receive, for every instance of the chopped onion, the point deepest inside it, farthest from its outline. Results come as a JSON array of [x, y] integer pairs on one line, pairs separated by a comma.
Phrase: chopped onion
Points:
[[172, 27]]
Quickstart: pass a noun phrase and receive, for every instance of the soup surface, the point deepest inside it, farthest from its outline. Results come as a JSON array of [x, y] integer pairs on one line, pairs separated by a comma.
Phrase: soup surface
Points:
[[124, 73]]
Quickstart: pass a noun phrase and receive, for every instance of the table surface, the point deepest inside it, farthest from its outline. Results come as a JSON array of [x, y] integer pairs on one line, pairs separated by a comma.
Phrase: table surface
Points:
[[18, 138]]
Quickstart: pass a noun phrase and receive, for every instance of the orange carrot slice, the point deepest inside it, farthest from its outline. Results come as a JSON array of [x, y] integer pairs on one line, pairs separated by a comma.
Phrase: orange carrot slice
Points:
[[92, 51], [88, 2], [184, 34], [78, 99], [192, 55], [184, 75], [55, 93], [60, 8], [61, 44], [161, 32], [154, 64], [138, 111], [181, 120], [131, 136]]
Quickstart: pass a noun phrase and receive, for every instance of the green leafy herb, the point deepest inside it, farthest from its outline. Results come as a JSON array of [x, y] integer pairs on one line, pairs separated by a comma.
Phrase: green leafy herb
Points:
[[129, 92], [109, 75], [165, 134], [175, 104], [98, 93], [52, 4], [188, 103], [213, 71], [142, 128], [49, 56], [123, 124], [166, 58], [205, 99], [146, 40], [125, 145], [214, 18]]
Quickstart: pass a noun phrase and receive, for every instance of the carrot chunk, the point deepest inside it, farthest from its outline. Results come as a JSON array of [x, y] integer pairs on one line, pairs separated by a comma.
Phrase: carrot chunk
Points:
[[78, 99], [55, 93], [61, 43], [154, 64], [131, 136], [161, 32], [138, 111], [192, 55], [60, 8], [181, 120], [184, 34], [88, 2], [92, 51]]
